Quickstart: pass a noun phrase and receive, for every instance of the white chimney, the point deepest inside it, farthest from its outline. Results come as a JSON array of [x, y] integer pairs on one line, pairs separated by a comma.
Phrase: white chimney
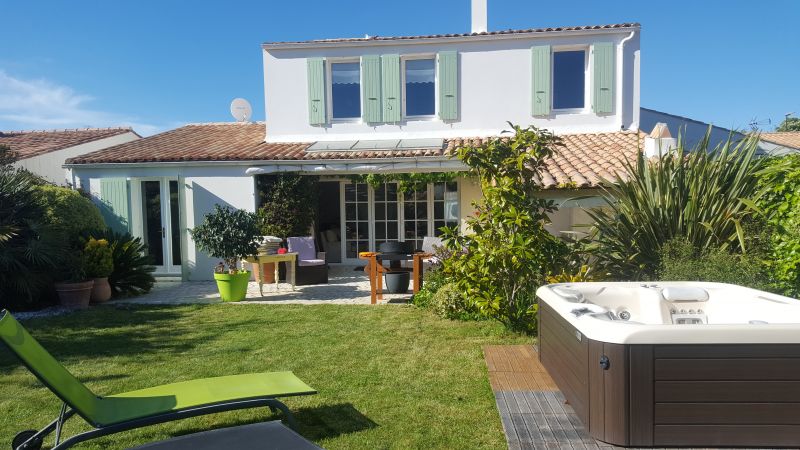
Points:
[[479, 16], [659, 142]]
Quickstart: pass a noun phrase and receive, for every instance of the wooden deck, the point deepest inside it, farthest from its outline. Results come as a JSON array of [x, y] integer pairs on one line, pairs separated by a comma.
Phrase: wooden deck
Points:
[[534, 413]]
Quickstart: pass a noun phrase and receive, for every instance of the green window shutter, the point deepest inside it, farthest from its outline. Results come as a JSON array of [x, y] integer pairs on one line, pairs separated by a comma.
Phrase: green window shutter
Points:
[[540, 83], [603, 77], [390, 83], [316, 91], [448, 85], [371, 67], [115, 205]]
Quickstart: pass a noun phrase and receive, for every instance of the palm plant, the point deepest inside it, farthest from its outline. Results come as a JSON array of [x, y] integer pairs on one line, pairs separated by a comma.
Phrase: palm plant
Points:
[[132, 272], [704, 197], [30, 251]]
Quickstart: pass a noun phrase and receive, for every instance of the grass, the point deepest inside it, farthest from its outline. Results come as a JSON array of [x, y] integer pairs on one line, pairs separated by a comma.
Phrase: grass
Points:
[[387, 376]]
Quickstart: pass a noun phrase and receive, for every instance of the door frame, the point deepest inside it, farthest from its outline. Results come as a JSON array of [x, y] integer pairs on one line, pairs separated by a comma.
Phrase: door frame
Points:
[[138, 218]]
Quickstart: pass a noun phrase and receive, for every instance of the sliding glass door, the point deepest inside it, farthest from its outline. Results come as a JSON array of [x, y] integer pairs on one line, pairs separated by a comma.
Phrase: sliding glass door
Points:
[[374, 215]]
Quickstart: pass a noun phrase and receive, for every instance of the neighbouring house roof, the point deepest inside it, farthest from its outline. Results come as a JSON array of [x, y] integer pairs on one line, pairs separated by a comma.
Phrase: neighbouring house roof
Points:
[[368, 39], [28, 144], [584, 161], [784, 138]]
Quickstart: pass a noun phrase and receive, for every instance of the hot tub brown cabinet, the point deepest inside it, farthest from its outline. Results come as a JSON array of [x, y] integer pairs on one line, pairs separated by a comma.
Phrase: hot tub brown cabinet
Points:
[[675, 394]]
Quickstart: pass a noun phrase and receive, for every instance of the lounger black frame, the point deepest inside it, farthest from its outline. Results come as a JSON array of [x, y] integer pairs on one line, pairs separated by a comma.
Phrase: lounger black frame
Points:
[[100, 431]]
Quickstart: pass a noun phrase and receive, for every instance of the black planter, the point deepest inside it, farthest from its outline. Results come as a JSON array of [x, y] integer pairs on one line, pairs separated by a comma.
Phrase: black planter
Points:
[[397, 282]]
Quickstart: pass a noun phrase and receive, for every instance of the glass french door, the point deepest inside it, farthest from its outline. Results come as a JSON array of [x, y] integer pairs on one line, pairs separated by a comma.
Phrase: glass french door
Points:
[[161, 224]]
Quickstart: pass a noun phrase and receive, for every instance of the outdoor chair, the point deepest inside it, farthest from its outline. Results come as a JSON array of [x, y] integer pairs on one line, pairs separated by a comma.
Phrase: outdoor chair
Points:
[[140, 408], [310, 267]]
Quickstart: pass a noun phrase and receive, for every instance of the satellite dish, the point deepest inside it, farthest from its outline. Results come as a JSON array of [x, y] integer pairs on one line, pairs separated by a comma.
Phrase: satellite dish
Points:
[[241, 110]]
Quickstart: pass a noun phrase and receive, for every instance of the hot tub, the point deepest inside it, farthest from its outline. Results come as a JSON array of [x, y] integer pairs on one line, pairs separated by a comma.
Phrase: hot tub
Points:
[[675, 363]]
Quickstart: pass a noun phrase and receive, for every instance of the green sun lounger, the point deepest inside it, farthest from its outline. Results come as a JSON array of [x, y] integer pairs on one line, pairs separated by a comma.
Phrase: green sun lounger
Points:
[[135, 409]]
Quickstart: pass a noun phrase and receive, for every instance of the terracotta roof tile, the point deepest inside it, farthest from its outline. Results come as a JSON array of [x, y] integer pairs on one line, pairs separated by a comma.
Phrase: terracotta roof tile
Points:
[[28, 144], [456, 35], [585, 160], [785, 138]]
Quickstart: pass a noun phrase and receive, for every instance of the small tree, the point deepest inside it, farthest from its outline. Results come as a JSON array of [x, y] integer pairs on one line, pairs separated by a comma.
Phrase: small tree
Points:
[[789, 124], [288, 204], [507, 252], [229, 234]]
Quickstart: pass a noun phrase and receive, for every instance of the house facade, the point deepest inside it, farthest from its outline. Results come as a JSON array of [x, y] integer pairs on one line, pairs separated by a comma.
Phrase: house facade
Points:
[[342, 107]]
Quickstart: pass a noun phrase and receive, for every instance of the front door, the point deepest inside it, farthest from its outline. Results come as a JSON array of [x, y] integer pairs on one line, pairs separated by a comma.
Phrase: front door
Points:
[[160, 223]]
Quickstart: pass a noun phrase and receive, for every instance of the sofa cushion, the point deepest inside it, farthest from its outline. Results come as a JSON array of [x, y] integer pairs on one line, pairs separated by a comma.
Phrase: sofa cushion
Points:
[[310, 262], [303, 246]]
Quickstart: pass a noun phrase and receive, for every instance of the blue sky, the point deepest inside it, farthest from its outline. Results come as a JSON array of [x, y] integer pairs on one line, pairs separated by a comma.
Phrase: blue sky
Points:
[[158, 64]]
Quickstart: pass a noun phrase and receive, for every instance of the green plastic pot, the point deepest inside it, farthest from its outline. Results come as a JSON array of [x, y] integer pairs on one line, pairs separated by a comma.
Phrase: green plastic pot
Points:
[[232, 288]]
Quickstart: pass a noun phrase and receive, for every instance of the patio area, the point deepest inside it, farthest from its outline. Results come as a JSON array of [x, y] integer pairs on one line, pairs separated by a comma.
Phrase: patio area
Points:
[[347, 285]]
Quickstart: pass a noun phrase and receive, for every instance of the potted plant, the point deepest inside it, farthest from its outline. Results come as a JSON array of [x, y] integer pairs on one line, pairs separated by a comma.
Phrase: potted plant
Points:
[[99, 264], [228, 234], [73, 288]]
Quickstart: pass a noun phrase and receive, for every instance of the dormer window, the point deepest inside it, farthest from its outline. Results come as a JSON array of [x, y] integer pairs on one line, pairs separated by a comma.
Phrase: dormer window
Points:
[[569, 79], [420, 87], [345, 90]]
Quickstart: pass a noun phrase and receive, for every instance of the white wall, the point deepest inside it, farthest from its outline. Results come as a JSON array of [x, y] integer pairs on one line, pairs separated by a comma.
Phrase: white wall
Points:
[[49, 165], [204, 186], [494, 86]]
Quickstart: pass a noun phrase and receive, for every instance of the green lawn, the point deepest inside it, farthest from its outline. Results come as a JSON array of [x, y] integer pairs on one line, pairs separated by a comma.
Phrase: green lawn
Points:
[[387, 376]]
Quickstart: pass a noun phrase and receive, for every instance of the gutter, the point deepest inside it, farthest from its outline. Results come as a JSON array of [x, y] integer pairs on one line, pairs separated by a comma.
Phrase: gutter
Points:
[[441, 39]]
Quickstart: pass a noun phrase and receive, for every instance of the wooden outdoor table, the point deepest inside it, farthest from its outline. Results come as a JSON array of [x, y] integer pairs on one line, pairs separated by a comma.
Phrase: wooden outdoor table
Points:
[[375, 270], [288, 258]]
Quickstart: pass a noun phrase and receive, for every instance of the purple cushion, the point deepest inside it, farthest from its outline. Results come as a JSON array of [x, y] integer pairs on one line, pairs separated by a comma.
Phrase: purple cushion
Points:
[[310, 262], [303, 246]]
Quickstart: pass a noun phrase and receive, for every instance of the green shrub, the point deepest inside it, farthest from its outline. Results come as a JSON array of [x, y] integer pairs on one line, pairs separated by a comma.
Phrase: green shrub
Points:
[[781, 206], [432, 281], [288, 204], [508, 253], [705, 196], [99, 261], [681, 261], [69, 210], [30, 249], [449, 303], [132, 272]]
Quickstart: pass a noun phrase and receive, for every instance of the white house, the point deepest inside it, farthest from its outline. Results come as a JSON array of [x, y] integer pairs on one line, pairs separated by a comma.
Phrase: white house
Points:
[[339, 107], [44, 152]]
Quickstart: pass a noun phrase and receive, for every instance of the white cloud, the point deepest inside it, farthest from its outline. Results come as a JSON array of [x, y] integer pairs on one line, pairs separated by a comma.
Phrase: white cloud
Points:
[[42, 104]]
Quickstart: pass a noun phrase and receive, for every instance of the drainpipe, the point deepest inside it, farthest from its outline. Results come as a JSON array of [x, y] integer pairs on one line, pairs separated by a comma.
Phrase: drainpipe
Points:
[[621, 72]]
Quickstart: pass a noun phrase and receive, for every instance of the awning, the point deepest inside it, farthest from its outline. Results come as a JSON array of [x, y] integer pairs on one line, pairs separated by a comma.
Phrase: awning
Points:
[[359, 167]]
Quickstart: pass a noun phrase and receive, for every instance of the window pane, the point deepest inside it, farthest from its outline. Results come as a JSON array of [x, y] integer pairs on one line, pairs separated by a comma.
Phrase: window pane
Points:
[[422, 211], [361, 193], [420, 87], [380, 230], [438, 191], [362, 211], [346, 90], [380, 211], [391, 211], [438, 210], [568, 79], [391, 191], [380, 193], [391, 230]]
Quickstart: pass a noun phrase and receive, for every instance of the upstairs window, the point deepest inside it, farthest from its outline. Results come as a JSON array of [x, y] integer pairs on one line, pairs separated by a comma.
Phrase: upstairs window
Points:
[[569, 79], [420, 87], [346, 90]]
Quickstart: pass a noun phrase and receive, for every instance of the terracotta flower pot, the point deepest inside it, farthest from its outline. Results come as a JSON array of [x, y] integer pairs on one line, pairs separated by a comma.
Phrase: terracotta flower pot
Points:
[[101, 291], [266, 274], [75, 295]]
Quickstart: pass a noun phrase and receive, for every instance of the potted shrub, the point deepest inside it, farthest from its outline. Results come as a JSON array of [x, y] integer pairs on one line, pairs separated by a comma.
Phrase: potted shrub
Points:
[[99, 265], [228, 234], [74, 289]]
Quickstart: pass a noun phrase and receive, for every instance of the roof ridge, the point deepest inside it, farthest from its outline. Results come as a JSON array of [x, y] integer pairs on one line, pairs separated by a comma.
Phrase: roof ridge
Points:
[[457, 35], [201, 124], [65, 130]]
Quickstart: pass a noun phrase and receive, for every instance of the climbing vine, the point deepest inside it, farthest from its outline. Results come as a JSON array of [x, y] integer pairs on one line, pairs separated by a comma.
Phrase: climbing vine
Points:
[[406, 182]]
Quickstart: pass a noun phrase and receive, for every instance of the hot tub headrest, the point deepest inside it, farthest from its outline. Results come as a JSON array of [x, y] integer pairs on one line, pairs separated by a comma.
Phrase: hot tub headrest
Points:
[[684, 294], [568, 294]]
